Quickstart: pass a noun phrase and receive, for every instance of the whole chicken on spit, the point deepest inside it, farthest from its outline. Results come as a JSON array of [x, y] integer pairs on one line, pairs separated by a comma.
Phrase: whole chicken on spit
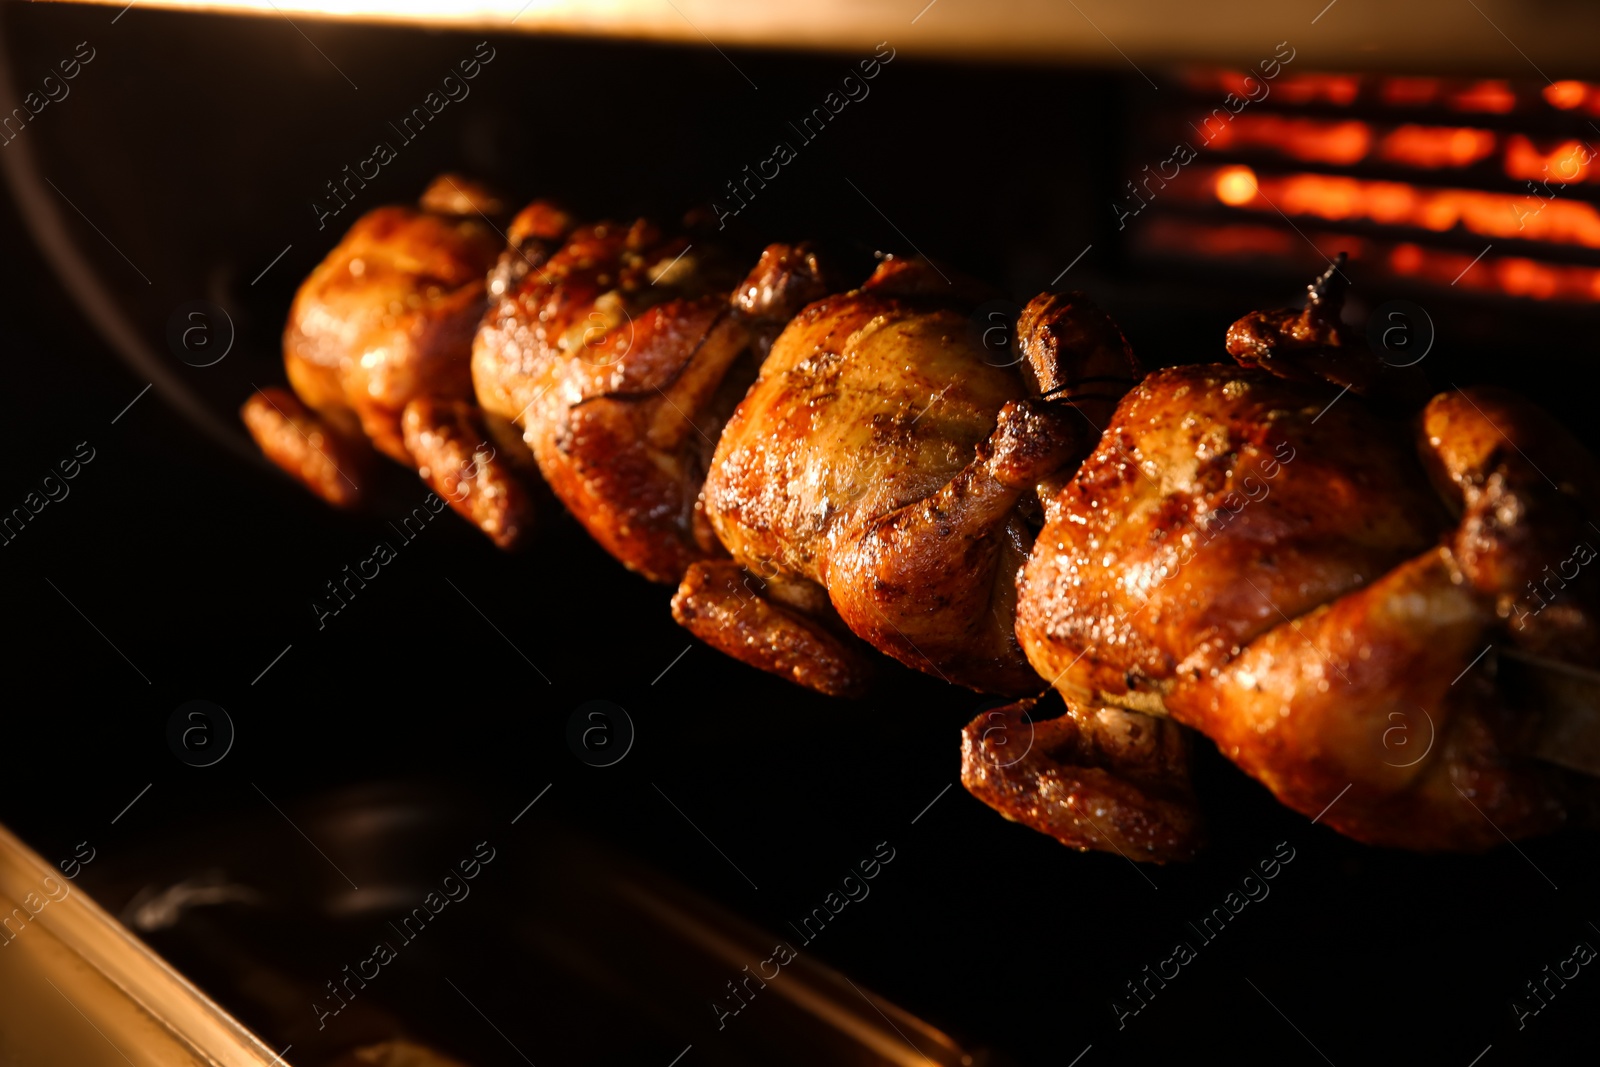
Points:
[[875, 481], [1309, 579], [619, 357], [1252, 551], [377, 348]]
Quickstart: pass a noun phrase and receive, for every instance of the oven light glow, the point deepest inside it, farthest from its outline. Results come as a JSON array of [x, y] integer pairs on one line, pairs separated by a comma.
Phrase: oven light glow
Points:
[[1341, 142], [1407, 258], [1566, 95], [1411, 92], [1346, 142], [1568, 162], [1432, 147], [1337, 198], [1236, 186], [1340, 90], [1495, 97], [1402, 183], [1448, 270]]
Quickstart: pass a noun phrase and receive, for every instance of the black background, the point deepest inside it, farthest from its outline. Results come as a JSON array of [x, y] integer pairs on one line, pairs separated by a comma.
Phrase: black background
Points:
[[196, 145]]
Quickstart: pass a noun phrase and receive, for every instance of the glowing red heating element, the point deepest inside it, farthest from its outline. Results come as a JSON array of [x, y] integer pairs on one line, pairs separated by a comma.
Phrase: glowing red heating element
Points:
[[1568, 162], [1512, 275], [1408, 163], [1489, 97], [1437, 147], [1490, 274], [1467, 95], [1345, 142], [1339, 198]]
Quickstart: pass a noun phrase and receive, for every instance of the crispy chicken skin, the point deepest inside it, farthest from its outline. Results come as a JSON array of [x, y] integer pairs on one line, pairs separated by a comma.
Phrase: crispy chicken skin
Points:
[[876, 475], [738, 613], [1219, 497], [1101, 778], [1310, 345], [449, 443], [1359, 692], [388, 316], [1266, 561], [378, 343], [620, 358], [1518, 535], [332, 465]]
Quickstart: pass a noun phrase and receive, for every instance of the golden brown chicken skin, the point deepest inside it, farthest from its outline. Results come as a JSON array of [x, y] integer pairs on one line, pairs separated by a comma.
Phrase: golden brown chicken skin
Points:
[[1361, 693], [1264, 559], [876, 475], [377, 348], [1220, 501], [332, 465], [619, 359], [1524, 494], [1095, 778]]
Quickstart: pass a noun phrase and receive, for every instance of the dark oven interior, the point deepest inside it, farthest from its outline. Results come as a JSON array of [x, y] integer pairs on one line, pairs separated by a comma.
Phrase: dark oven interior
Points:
[[197, 164]]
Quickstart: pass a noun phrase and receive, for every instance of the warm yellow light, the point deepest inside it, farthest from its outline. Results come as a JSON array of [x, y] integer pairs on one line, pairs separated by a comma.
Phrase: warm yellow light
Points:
[[1236, 186], [1145, 34]]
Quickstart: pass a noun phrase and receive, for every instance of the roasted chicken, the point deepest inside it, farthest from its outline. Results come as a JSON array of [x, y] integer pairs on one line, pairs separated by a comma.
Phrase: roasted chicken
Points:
[[1309, 578], [620, 358], [377, 350], [878, 475], [1296, 554]]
